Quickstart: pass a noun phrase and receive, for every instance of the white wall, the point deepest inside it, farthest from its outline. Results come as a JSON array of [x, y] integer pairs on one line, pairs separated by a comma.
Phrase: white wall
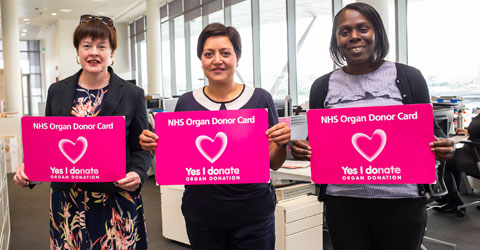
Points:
[[121, 56], [49, 58], [66, 53]]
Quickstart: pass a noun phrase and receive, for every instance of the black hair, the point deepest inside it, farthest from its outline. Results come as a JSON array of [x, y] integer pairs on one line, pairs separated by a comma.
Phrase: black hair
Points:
[[218, 29], [381, 40]]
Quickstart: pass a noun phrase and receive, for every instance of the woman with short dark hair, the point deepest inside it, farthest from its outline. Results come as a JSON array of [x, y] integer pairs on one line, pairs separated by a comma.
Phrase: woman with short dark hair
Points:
[[103, 215], [231, 216], [370, 216]]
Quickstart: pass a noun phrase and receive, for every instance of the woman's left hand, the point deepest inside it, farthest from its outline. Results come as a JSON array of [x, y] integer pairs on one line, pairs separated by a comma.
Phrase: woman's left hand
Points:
[[443, 148], [130, 183], [279, 133]]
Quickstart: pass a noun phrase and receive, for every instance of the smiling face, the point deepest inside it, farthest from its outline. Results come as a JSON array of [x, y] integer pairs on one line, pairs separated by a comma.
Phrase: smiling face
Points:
[[219, 60], [355, 38], [94, 56]]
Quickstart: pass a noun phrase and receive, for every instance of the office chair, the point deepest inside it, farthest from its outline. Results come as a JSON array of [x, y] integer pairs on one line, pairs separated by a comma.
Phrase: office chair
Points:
[[438, 189], [475, 172], [434, 192]]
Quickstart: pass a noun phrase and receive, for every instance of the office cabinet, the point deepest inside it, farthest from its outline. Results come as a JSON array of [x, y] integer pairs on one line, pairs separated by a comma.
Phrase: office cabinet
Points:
[[4, 208], [299, 224], [173, 223]]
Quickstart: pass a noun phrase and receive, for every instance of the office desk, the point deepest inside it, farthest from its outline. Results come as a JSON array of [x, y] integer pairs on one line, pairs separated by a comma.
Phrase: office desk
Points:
[[296, 174]]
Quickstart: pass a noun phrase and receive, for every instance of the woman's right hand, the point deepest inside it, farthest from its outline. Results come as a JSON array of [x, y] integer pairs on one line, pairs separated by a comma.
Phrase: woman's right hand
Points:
[[20, 178], [148, 140], [301, 150]]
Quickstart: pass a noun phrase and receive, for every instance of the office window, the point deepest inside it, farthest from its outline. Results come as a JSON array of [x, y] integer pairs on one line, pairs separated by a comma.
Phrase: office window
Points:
[[440, 46], [166, 81], [313, 31], [198, 78], [242, 21], [273, 48], [216, 17], [180, 78]]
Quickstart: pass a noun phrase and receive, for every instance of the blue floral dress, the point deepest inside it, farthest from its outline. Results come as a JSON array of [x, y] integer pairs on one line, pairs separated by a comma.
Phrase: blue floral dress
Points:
[[85, 220]]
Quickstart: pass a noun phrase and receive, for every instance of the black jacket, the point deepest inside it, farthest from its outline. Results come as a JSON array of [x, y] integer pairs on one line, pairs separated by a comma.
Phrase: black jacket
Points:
[[123, 99], [413, 89]]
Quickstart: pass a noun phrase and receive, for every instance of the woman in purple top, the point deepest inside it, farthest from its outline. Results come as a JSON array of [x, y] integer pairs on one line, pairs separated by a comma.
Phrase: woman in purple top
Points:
[[365, 217], [234, 216]]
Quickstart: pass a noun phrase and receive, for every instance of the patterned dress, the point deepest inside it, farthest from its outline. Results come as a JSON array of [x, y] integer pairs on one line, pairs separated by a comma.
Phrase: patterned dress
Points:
[[85, 220]]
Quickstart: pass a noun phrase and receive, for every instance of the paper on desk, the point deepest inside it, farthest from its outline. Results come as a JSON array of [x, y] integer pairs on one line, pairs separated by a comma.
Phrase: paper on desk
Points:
[[295, 164]]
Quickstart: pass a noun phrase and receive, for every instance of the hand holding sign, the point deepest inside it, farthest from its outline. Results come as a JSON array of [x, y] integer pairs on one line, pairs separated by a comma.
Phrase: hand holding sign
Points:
[[218, 147], [368, 145]]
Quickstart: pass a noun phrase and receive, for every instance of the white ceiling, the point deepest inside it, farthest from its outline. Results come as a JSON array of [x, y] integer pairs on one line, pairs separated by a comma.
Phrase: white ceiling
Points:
[[39, 13]]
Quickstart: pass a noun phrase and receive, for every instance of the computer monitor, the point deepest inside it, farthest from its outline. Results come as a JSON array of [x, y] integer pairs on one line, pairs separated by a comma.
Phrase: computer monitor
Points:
[[154, 103], [444, 118]]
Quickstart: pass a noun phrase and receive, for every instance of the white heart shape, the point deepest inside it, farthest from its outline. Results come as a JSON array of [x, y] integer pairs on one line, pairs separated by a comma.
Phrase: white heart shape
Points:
[[383, 137], [62, 142], [219, 135]]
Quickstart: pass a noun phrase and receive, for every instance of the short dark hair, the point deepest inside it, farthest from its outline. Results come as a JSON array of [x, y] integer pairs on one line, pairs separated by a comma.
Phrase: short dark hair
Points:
[[95, 29], [218, 29], [381, 40]]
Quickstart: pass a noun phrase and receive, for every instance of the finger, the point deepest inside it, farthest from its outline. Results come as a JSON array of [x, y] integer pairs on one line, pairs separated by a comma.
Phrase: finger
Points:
[[282, 136], [275, 128], [146, 139], [300, 151], [150, 134], [279, 132], [302, 144]]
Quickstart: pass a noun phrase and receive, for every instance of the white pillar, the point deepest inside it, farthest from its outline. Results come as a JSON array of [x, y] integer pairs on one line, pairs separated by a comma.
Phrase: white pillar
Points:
[[154, 56], [11, 56]]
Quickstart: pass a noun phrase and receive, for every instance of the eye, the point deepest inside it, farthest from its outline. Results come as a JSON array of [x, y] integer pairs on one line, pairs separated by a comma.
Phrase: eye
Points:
[[344, 33], [86, 46], [364, 29], [207, 54], [226, 53]]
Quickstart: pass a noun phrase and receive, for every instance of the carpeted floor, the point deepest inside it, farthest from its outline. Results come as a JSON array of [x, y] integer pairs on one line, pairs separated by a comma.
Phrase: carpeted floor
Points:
[[29, 212]]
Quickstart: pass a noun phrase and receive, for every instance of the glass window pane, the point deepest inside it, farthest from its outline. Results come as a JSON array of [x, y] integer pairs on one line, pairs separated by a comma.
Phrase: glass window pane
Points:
[[313, 31], [181, 81], [242, 21], [167, 90], [216, 17], [23, 45], [273, 48], [447, 71], [197, 72]]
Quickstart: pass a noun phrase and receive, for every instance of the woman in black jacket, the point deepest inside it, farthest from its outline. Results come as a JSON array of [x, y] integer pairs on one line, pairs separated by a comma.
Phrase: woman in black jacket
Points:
[[98, 215]]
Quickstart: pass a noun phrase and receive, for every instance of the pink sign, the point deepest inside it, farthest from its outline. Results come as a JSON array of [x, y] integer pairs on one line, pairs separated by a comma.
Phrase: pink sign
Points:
[[74, 149], [212, 147], [372, 145]]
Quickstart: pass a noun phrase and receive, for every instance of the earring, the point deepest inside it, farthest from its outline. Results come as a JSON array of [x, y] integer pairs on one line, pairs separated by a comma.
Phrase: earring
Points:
[[76, 58], [113, 61]]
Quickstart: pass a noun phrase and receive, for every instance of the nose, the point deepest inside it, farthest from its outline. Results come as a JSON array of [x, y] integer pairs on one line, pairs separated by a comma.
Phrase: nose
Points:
[[217, 58], [94, 50], [355, 36]]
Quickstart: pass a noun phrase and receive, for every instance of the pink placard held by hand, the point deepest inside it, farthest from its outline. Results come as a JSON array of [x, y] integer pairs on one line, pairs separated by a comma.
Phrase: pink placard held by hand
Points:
[[74, 149], [212, 147], [372, 145]]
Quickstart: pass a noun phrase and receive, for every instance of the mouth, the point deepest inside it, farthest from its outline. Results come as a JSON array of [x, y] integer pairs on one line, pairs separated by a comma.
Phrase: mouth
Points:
[[357, 49], [218, 70], [93, 61]]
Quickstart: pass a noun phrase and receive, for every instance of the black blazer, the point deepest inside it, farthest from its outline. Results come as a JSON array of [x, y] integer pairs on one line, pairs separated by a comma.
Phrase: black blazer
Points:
[[123, 99]]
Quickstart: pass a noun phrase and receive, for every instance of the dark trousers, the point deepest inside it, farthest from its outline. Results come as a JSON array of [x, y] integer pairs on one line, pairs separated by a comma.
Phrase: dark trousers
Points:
[[257, 236], [375, 224]]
